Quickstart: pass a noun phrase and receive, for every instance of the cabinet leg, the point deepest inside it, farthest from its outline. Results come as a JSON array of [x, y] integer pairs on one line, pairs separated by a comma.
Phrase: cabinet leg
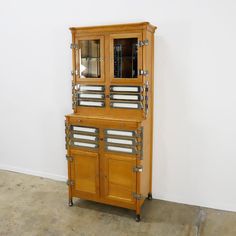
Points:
[[138, 212], [70, 202], [138, 218], [149, 196]]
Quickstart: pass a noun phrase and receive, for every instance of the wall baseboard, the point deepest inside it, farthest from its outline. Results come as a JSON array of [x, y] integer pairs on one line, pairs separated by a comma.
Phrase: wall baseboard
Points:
[[32, 172]]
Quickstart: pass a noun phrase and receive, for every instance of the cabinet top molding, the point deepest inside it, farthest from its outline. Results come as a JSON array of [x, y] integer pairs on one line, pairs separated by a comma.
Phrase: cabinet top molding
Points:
[[118, 27]]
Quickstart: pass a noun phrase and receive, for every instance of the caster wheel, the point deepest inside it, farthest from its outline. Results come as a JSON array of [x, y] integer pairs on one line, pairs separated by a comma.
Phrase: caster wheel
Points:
[[137, 218], [70, 203], [149, 196]]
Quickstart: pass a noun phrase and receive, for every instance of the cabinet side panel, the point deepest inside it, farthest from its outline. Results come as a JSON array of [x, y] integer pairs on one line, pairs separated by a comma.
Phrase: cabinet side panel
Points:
[[146, 175]]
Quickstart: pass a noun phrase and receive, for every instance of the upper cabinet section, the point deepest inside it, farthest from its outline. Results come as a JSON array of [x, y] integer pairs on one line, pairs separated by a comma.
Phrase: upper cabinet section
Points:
[[111, 53], [112, 70]]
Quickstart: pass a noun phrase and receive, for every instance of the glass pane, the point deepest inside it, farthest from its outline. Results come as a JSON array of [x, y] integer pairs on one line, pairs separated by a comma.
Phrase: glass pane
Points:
[[89, 88], [125, 97], [120, 141], [91, 104], [90, 61], [91, 95], [120, 149], [120, 132], [134, 89], [125, 105], [86, 137], [125, 58], [90, 145], [84, 129]]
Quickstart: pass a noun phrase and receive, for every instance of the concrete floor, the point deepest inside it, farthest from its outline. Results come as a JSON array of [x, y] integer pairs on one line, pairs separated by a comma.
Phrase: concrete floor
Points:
[[36, 206]]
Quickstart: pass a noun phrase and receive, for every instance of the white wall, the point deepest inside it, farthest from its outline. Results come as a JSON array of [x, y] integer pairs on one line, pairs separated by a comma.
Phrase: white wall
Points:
[[195, 153]]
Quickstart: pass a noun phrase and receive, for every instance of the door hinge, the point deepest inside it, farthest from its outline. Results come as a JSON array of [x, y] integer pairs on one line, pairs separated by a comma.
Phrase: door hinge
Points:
[[70, 182], [137, 169], [138, 196], [143, 72], [74, 46], [74, 72], [69, 158], [146, 89], [74, 103], [143, 43], [67, 125]]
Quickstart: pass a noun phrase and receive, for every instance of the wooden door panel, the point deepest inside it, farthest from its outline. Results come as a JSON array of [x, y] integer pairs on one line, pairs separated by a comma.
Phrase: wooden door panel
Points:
[[120, 180], [85, 169], [85, 174]]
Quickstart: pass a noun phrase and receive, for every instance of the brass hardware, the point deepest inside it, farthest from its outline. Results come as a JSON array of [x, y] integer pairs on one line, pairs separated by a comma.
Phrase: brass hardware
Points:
[[69, 158], [67, 131], [140, 152], [138, 196], [70, 182], [74, 72], [146, 89], [143, 43], [143, 72], [74, 46], [74, 104], [137, 169]]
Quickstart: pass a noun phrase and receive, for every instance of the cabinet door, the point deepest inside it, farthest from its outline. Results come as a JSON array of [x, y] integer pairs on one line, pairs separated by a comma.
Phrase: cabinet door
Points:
[[85, 175], [90, 59], [119, 178], [126, 57]]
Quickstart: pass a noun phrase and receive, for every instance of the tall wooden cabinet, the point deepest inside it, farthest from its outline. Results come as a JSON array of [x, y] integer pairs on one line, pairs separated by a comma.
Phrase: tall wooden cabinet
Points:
[[109, 136]]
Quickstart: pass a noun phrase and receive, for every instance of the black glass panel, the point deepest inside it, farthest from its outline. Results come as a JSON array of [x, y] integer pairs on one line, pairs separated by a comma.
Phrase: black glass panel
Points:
[[125, 58], [90, 60]]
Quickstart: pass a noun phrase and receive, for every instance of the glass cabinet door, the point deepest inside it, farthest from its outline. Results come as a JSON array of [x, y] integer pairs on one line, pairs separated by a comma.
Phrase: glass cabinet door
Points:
[[89, 59], [126, 57]]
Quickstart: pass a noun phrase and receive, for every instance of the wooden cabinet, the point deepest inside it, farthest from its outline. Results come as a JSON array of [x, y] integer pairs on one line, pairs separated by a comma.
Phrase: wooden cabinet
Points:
[[109, 135]]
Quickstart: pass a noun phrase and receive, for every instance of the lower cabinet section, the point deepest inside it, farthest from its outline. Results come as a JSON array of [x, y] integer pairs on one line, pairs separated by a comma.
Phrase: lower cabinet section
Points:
[[105, 162]]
